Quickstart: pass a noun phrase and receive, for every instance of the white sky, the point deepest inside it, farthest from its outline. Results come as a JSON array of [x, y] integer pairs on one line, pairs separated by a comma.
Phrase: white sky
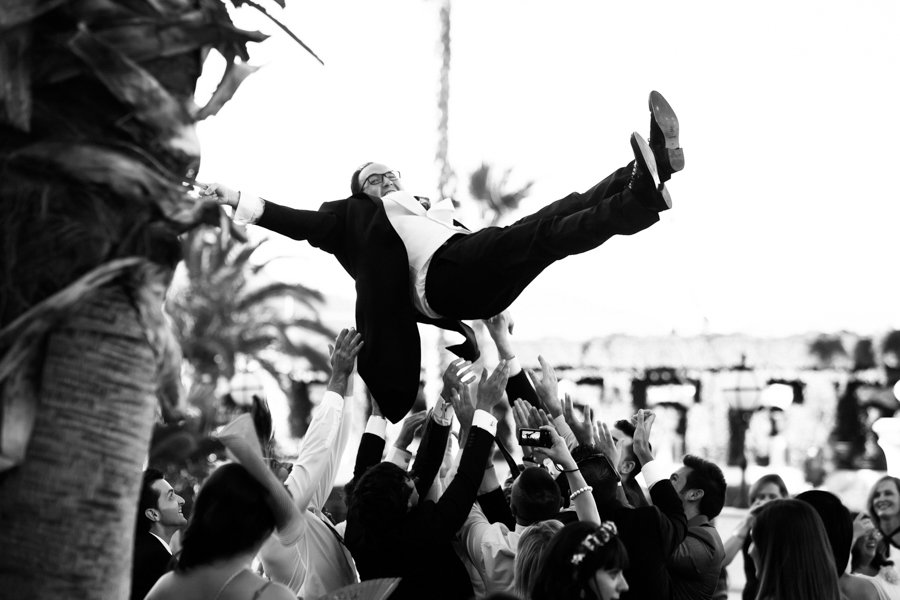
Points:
[[785, 217]]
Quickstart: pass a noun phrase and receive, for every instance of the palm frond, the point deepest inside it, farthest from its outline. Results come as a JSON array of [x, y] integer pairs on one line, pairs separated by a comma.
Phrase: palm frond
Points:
[[302, 294]]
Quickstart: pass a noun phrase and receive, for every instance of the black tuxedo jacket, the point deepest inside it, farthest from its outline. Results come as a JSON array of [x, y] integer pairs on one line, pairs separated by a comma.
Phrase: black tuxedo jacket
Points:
[[151, 561], [650, 534], [359, 234]]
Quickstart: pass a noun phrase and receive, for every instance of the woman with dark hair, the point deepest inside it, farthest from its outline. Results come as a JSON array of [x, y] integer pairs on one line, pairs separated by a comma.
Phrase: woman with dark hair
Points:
[[839, 528], [584, 561], [765, 489], [884, 510], [231, 519], [868, 558], [792, 554]]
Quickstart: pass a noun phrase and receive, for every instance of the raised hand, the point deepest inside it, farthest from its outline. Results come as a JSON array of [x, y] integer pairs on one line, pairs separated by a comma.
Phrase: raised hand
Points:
[[490, 389], [500, 324], [457, 374], [581, 428], [464, 407], [343, 358], [500, 327], [547, 388], [411, 425], [558, 452], [223, 195], [641, 444], [606, 445]]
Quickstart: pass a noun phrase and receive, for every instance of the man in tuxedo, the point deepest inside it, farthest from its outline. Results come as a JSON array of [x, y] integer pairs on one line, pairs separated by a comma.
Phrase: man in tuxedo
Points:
[[412, 262], [696, 563], [159, 517], [650, 533]]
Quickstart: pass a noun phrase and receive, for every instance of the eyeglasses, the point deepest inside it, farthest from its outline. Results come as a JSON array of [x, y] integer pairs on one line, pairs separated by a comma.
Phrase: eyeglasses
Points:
[[378, 178], [612, 467]]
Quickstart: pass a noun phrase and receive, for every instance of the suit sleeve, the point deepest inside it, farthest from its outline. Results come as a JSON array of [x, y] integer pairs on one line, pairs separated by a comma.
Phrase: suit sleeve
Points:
[[444, 519], [693, 557], [371, 449], [430, 455], [518, 387], [320, 228], [673, 522]]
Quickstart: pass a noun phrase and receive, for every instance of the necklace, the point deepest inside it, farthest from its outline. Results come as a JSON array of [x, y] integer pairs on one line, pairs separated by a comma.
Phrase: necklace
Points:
[[227, 581]]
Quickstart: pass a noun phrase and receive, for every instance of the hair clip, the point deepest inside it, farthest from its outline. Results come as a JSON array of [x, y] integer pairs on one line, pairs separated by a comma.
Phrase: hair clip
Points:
[[596, 540]]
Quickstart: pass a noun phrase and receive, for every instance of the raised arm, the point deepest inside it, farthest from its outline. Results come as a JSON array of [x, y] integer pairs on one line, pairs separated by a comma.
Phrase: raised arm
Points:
[[500, 329], [673, 524], [446, 517], [581, 497], [437, 430], [326, 437], [371, 445]]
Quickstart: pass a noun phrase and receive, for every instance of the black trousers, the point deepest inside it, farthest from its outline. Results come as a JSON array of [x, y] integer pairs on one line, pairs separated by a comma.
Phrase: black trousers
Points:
[[478, 276]]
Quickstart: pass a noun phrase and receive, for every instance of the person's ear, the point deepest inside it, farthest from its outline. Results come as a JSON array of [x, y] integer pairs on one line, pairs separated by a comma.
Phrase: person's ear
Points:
[[695, 495], [626, 467], [152, 514]]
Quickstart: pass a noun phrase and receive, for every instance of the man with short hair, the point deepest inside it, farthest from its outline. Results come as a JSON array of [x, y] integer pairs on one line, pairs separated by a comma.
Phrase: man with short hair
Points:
[[629, 466], [696, 563], [159, 517], [650, 533], [412, 262]]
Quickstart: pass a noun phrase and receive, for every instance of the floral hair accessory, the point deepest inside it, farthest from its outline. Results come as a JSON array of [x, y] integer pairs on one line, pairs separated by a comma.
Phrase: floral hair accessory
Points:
[[596, 540]]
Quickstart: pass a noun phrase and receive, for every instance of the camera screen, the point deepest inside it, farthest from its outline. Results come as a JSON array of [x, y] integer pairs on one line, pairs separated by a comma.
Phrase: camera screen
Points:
[[531, 435]]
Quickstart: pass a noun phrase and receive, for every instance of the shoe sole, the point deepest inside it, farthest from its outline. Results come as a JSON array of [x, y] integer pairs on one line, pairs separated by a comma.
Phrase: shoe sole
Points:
[[644, 155], [667, 122]]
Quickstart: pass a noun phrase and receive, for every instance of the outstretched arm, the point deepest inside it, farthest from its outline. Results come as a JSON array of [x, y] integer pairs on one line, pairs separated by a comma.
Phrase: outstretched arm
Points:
[[673, 524], [500, 328], [312, 225], [325, 440], [451, 510]]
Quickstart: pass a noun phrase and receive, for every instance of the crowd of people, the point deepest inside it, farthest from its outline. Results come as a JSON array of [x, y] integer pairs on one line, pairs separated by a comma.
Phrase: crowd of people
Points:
[[571, 519]]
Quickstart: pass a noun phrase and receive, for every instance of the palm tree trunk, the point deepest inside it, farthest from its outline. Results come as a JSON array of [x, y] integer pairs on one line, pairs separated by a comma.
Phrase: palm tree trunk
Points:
[[67, 514]]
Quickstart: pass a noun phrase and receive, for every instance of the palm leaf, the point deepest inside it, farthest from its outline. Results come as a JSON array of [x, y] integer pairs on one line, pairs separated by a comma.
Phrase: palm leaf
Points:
[[300, 293]]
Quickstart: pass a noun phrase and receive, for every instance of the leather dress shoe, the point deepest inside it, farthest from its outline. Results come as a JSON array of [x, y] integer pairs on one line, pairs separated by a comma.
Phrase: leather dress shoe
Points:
[[664, 137], [644, 182]]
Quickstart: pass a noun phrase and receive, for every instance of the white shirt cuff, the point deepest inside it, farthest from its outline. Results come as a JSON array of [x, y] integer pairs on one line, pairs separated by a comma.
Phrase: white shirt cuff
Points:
[[654, 472], [442, 413], [485, 420], [249, 209], [377, 426], [399, 457]]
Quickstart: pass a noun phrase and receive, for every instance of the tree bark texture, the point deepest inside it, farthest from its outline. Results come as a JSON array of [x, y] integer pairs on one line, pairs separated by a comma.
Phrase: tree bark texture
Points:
[[67, 514]]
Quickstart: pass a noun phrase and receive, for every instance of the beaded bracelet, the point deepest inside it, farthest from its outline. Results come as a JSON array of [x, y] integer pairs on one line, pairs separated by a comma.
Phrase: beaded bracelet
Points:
[[579, 491]]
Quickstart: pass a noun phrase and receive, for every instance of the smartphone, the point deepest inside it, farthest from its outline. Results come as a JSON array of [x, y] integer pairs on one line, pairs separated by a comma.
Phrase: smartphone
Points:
[[535, 437]]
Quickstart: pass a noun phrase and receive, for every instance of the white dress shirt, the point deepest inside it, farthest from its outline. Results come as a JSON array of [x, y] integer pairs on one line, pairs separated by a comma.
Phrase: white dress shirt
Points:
[[317, 563]]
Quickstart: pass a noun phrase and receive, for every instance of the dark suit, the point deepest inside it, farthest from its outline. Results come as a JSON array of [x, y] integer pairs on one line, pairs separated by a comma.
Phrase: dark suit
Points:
[[650, 534], [151, 561], [471, 277], [697, 562]]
